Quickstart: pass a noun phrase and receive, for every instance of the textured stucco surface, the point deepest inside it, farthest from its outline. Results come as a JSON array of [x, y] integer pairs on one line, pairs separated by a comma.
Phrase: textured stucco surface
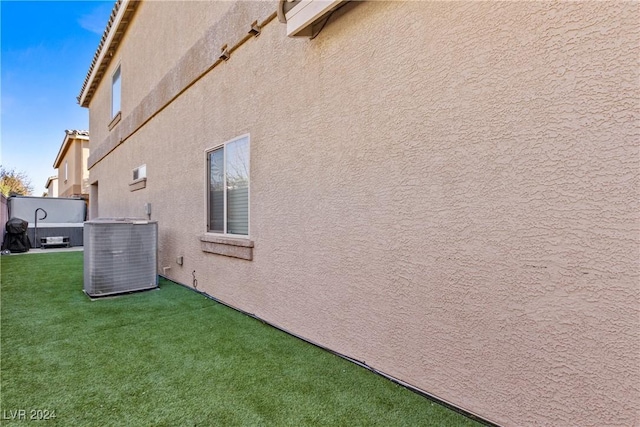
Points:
[[446, 191], [152, 40], [76, 157]]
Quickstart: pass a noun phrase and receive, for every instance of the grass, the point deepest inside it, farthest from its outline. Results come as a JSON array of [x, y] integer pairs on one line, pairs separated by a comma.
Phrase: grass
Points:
[[173, 358]]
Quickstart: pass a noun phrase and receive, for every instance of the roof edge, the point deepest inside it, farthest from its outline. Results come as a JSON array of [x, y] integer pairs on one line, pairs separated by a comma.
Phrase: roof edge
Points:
[[119, 20], [69, 135], [51, 178]]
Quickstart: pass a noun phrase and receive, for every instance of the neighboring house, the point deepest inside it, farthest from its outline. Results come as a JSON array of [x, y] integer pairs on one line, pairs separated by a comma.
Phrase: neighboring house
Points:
[[52, 186], [71, 163], [444, 190]]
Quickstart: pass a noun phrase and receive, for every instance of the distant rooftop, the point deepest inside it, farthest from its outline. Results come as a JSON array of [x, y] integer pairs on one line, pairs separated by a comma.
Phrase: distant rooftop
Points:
[[74, 132], [70, 134]]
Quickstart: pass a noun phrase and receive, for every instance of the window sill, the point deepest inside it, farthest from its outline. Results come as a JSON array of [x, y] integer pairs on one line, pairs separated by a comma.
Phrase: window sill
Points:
[[115, 120], [138, 184], [227, 246]]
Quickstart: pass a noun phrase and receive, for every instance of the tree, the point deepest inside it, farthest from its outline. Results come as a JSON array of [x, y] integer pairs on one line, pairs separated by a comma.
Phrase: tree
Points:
[[14, 182]]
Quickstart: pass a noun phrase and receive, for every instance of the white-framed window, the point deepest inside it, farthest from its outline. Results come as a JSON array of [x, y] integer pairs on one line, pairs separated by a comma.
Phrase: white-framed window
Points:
[[116, 92], [228, 187], [140, 172], [66, 170]]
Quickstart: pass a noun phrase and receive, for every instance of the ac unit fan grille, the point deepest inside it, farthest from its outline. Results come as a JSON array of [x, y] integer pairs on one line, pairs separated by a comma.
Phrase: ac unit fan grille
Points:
[[119, 257]]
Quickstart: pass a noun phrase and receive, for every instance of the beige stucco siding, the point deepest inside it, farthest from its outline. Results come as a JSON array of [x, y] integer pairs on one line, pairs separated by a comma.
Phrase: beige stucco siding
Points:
[[161, 45], [75, 158], [52, 187], [156, 38], [84, 170], [447, 191], [100, 110]]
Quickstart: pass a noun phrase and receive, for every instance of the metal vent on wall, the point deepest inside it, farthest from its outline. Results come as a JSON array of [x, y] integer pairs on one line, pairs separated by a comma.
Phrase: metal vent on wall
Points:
[[120, 255]]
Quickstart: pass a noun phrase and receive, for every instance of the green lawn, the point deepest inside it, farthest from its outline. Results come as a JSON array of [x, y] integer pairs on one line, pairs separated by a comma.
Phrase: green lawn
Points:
[[172, 357]]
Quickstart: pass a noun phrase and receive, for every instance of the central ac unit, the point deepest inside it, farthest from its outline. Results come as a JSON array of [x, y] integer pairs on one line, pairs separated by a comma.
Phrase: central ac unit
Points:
[[120, 255]]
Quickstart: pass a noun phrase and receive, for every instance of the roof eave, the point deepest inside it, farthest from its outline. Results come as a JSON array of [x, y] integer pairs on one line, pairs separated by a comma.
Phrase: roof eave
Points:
[[121, 16], [50, 180], [68, 137]]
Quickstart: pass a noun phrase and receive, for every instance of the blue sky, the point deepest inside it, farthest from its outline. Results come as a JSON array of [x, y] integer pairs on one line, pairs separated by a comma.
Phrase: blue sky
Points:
[[46, 49]]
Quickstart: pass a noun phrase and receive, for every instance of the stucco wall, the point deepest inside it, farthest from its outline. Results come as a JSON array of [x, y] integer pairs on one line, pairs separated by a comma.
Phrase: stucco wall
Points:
[[76, 157], [152, 40], [52, 189], [447, 191], [84, 167]]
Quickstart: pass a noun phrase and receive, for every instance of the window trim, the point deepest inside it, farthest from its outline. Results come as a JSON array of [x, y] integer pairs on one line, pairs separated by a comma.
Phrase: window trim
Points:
[[304, 14], [227, 246], [114, 115], [141, 181], [140, 177], [115, 120], [207, 179]]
